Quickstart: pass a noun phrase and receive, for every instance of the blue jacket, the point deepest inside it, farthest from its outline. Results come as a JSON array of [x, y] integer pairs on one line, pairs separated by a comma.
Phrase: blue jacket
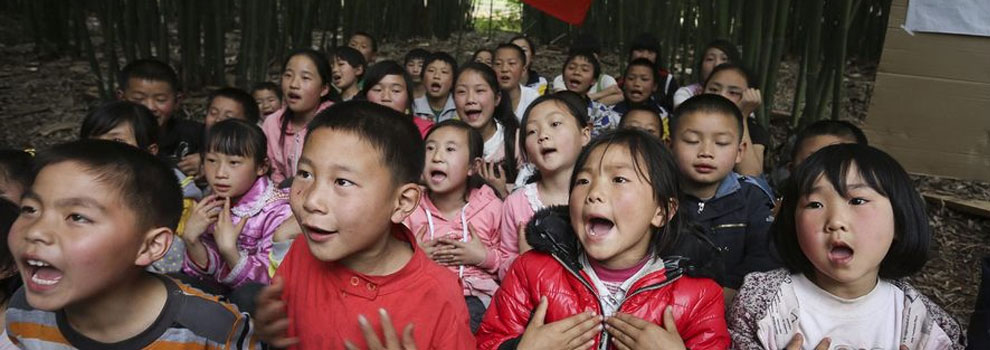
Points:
[[738, 218]]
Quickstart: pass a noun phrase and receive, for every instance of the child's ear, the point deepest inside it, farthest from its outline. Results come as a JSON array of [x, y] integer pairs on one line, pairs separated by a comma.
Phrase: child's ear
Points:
[[475, 164], [154, 245], [325, 90], [263, 167], [153, 149], [360, 70], [120, 94], [585, 135], [664, 213], [406, 201], [743, 146]]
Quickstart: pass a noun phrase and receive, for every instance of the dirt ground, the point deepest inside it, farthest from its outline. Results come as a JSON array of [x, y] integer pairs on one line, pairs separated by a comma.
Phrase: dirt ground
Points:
[[43, 102]]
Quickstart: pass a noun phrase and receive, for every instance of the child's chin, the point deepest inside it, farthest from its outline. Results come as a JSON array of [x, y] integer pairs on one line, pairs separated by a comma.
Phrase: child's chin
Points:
[[45, 303]]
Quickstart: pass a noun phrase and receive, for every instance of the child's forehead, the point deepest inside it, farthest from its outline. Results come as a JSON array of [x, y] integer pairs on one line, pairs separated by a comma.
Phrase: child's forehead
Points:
[[331, 146], [448, 134], [138, 84], [708, 120], [439, 64], [71, 178], [642, 116]]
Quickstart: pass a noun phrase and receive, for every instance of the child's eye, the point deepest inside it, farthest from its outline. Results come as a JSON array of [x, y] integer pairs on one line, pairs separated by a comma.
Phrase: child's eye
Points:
[[555, 124], [531, 132], [722, 144], [79, 218], [582, 181], [858, 201], [28, 210], [430, 147], [302, 174], [235, 162], [343, 182], [813, 205], [451, 149], [620, 180]]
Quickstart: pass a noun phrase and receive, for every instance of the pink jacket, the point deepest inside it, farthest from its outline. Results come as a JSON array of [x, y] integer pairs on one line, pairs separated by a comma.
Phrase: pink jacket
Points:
[[265, 207], [483, 211], [284, 152], [519, 207]]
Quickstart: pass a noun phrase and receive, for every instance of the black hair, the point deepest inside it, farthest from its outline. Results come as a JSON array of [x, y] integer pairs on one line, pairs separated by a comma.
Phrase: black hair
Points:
[[379, 71], [144, 182], [727, 47], [568, 99], [514, 47], [415, 54], [251, 111], [709, 104], [391, 133], [587, 55], [237, 137], [326, 76], [655, 164], [645, 41], [350, 55], [838, 128], [476, 147], [529, 41], [112, 114], [439, 56], [909, 250], [374, 43], [15, 167], [586, 42], [9, 211], [149, 69], [474, 56], [267, 85], [502, 114], [735, 67]]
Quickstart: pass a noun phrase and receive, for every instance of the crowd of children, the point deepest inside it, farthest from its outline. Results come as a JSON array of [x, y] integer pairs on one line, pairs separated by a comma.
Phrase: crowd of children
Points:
[[426, 204]]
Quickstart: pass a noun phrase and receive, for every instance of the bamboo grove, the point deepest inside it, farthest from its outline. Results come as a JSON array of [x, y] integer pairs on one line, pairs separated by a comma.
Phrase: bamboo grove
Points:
[[240, 40]]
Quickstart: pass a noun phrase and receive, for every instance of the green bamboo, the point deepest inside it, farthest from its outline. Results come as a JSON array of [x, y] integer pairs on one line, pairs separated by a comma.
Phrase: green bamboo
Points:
[[847, 7]]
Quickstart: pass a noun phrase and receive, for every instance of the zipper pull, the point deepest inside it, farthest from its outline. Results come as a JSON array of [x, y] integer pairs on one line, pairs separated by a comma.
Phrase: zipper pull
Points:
[[701, 207]]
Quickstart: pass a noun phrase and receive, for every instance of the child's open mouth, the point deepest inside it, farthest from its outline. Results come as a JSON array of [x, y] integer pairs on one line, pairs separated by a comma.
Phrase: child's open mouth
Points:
[[317, 234], [43, 275], [336, 79], [573, 84], [840, 254], [546, 151], [435, 87], [292, 97], [437, 176], [472, 114], [598, 228]]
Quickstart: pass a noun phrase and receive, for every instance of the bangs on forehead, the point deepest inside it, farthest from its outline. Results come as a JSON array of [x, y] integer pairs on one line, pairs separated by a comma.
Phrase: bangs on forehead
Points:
[[835, 168], [632, 145]]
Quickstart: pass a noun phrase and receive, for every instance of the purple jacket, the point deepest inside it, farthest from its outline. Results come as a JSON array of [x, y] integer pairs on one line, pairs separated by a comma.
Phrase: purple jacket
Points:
[[265, 208]]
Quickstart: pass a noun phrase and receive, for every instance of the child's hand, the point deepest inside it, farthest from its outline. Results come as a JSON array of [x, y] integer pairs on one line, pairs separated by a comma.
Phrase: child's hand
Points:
[[633, 333], [391, 340], [751, 99], [226, 234], [288, 230], [204, 213], [190, 164], [575, 332], [494, 175], [452, 252], [795, 343], [270, 319]]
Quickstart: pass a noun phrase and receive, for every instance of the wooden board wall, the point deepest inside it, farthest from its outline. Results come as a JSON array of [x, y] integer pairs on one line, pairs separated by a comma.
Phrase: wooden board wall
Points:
[[931, 102]]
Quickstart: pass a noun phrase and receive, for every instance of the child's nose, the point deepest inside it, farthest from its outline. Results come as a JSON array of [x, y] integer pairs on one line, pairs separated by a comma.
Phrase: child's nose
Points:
[[314, 199], [836, 220], [38, 232]]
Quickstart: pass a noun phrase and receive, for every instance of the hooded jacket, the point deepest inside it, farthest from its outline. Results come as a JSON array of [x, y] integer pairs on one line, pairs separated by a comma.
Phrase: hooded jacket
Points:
[[483, 211], [557, 268]]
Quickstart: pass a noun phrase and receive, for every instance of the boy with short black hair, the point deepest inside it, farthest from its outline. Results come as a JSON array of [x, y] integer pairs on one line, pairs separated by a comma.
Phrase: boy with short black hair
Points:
[[439, 72], [414, 63], [98, 213], [357, 181], [366, 44], [155, 85], [706, 137], [231, 102]]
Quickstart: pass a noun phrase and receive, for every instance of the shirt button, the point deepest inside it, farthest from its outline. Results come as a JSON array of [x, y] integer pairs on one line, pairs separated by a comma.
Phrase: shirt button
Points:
[[355, 281], [372, 287]]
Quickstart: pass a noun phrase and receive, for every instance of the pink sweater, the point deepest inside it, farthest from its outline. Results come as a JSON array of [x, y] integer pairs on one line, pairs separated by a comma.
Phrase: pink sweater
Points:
[[284, 152], [265, 208], [483, 211], [519, 207]]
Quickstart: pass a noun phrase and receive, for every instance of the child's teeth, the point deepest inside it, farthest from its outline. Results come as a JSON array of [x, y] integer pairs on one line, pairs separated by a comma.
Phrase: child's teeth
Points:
[[44, 282], [37, 263]]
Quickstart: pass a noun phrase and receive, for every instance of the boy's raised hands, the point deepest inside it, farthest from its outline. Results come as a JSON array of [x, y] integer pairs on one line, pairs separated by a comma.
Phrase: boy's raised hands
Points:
[[270, 319], [391, 339]]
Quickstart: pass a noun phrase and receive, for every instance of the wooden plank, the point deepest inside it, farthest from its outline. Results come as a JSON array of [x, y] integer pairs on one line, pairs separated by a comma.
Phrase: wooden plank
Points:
[[936, 55], [969, 206]]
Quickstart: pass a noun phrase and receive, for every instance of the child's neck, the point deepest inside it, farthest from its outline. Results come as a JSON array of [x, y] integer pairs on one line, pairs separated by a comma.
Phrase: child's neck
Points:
[[846, 290], [554, 187], [349, 92], [121, 312], [514, 95], [302, 119], [437, 104], [524, 78], [489, 129], [700, 191], [419, 90], [449, 203], [385, 257]]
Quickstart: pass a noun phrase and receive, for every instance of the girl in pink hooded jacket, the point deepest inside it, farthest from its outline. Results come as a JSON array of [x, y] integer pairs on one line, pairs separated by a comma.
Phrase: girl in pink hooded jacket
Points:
[[228, 235], [457, 221]]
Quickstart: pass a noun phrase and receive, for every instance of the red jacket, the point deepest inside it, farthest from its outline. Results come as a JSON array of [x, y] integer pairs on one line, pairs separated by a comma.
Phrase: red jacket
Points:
[[324, 299], [698, 307]]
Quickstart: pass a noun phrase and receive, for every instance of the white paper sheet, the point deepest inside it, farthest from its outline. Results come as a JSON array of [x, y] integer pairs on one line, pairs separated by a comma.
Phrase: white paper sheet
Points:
[[967, 17]]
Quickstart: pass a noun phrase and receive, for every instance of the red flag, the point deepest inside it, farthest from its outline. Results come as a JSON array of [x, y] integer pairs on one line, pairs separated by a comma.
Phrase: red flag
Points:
[[570, 11]]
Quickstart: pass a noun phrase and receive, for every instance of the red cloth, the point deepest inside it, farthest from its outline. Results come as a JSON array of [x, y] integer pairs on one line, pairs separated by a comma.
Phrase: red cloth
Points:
[[423, 125], [570, 11], [699, 310], [324, 299]]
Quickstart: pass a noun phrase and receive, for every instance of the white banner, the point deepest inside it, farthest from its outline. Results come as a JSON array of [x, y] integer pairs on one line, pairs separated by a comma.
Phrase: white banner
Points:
[[967, 17]]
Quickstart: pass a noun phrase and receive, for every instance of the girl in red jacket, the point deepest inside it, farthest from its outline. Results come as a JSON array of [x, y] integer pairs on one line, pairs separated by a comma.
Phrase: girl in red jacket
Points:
[[614, 269]]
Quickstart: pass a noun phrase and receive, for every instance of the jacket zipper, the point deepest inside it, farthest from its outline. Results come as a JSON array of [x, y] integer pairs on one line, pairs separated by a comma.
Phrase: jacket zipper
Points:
[[701, 207], [598, 298]]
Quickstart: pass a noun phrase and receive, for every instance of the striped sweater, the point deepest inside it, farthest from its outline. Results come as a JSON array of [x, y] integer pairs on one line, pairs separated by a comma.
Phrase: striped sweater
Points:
[[190, 319]]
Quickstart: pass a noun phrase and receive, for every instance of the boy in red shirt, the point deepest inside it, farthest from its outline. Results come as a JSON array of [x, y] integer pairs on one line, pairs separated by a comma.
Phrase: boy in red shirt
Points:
[[356, 182]]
